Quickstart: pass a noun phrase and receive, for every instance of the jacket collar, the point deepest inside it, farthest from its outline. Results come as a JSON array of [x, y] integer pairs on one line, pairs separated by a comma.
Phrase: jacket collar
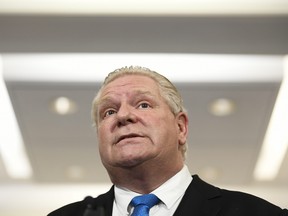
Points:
[[104, 203], [200, 198]]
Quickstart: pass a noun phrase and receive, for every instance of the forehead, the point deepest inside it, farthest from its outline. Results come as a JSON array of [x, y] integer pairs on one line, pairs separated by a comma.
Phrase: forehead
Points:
[[131, 83]]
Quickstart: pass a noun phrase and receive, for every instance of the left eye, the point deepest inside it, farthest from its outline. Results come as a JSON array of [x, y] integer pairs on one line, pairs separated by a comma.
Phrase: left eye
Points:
[[144, 105]]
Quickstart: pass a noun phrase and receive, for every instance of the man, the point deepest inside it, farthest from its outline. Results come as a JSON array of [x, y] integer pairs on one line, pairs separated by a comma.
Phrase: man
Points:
[[142, 129]]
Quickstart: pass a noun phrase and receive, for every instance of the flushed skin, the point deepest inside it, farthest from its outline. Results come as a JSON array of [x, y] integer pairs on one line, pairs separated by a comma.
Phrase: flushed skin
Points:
[[137, 132]]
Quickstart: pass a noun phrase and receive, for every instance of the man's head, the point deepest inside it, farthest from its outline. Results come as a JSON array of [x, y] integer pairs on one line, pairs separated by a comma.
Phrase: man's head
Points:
[[139, 115]]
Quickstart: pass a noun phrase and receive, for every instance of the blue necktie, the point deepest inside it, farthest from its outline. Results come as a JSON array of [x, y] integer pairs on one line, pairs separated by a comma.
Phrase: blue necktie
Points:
[[143, 203]]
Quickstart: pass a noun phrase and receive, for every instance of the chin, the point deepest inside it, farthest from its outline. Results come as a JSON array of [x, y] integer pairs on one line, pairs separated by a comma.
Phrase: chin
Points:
[[130, 162]]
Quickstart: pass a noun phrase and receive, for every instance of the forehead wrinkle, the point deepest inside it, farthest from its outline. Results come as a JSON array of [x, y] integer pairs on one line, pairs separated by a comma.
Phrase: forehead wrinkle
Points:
[[134, 93], [105, 100], [145, 93]]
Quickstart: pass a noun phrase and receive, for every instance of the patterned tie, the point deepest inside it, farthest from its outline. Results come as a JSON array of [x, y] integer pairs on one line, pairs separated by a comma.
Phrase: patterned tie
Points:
[[143, 203]]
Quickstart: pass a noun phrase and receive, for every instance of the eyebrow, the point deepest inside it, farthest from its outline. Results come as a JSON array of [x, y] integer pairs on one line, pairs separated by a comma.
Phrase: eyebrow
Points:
[[103, 101], [136, 93]]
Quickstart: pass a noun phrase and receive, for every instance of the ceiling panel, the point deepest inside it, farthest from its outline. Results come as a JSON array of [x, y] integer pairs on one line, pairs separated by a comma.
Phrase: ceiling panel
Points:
[[158, 34], [253, 102], [33, 104]]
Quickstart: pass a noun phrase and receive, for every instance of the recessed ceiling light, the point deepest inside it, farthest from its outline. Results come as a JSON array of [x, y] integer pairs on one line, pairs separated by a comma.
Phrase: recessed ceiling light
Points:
[[64, 106], [222, 107]]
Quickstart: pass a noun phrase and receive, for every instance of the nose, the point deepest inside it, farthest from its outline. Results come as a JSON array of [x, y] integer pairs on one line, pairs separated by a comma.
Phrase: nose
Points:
[[125, 115]]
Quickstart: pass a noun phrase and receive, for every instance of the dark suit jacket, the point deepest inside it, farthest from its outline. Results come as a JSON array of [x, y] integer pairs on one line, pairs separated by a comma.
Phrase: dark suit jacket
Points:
[[200, 199]]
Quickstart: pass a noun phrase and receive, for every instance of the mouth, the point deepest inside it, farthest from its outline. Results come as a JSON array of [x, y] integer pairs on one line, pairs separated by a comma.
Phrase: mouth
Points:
[[127, 136]]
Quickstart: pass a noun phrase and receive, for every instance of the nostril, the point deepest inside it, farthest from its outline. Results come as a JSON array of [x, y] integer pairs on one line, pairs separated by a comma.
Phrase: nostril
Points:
[[125, 121], [125, 118]]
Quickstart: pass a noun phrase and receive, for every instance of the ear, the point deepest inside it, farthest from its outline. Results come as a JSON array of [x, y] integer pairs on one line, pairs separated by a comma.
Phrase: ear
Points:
[[182, 121]]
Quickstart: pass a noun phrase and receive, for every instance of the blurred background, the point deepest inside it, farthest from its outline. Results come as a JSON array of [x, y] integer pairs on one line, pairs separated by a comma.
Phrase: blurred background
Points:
[[228, 59]]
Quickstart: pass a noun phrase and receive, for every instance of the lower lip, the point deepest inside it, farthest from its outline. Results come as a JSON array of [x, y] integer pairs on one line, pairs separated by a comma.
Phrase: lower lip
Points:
[[129, 140]]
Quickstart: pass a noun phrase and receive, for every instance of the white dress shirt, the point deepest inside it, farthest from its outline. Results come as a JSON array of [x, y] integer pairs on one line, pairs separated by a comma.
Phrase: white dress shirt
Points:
[[170, 193]]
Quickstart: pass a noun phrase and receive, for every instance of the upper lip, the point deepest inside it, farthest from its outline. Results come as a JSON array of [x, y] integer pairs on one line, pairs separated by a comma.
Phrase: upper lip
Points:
[[131, 135]]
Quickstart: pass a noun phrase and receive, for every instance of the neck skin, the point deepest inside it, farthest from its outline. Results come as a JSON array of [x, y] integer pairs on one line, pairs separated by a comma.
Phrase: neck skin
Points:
[[144, 178]]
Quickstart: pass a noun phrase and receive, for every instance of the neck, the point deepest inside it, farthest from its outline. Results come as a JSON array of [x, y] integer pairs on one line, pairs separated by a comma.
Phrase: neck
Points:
[[143, 179]]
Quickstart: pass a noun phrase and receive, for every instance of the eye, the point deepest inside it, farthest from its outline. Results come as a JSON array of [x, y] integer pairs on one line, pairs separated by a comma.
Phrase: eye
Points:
[[109, 113], [144, 105]]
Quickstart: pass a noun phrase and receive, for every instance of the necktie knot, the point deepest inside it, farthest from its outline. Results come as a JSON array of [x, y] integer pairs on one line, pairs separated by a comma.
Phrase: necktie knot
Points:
[[143, 203]]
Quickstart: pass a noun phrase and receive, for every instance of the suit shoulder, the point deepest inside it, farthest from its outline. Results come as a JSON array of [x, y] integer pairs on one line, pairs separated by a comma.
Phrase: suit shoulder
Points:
[[244, 202], [78, 208], [231, 196], [232, 202]]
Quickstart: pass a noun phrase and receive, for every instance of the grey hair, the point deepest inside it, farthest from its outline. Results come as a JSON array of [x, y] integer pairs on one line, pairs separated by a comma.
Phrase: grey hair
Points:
[[167, 90]]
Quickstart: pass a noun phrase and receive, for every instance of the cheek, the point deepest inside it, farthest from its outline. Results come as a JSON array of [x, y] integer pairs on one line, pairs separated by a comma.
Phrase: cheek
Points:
[[103, 148], [102, 137], [165, 130], [103, 129]]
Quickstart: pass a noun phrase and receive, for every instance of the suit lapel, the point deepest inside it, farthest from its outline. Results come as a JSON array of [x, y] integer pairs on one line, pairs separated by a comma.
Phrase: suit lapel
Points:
[[105, 202], [200, 199]]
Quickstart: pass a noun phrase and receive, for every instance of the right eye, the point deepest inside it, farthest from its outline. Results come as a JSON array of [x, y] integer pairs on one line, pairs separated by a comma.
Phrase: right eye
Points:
[[109, 113]]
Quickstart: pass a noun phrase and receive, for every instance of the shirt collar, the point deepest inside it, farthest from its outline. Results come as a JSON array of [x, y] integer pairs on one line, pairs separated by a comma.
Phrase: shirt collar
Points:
[[179, 182]]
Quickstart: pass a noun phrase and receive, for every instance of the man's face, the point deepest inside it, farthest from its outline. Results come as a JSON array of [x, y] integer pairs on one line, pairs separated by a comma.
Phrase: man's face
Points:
[[136, 125]]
